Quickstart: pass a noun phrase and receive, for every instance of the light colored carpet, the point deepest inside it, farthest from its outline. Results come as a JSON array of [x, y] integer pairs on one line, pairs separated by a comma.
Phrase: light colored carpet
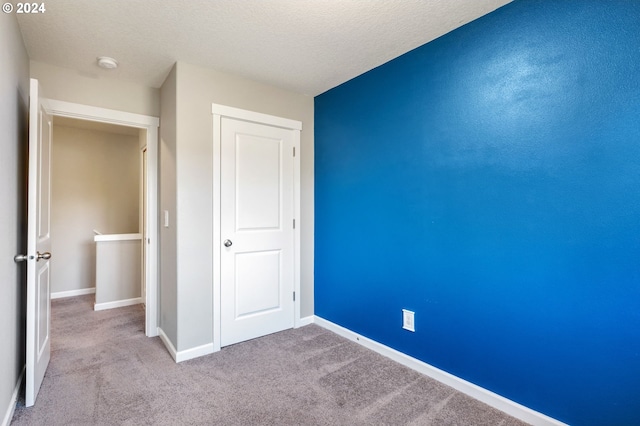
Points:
[[104, 371]]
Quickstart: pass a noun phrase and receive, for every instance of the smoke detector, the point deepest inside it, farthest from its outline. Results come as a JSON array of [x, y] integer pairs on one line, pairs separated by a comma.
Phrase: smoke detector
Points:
[[107, 63]]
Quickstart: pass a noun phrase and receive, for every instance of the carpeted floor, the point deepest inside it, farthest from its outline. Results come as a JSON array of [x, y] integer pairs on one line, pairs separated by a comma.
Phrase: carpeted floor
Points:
[[104, 371]]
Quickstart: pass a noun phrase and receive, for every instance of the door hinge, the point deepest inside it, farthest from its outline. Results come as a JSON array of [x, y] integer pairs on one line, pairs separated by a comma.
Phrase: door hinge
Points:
[[294, 224], [294, 296], [294, 151]]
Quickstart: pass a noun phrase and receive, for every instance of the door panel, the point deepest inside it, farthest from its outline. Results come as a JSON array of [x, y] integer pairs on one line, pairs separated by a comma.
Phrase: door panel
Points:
[[38, 245], [257, 268], [257, 282], [44, 176], [43, 307], [258, 182]]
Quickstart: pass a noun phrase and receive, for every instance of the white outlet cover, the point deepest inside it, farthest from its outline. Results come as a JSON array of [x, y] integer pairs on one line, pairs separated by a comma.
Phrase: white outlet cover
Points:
[[408, 320]]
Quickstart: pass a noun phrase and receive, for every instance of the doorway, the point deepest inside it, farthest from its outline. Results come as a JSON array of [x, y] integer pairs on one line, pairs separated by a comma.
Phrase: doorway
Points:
[[97, 211], [146, 130]]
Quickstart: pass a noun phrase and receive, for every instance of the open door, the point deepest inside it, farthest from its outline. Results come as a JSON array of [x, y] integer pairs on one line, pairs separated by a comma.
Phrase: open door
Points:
[[38, 245]]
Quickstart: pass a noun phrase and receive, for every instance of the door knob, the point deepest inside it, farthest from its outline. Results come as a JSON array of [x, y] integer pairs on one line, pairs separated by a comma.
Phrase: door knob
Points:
[[227, 243], [23, 257], [46, 256]]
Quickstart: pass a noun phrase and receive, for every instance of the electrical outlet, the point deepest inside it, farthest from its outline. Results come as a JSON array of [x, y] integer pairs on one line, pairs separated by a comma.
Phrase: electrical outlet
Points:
[[408, 320]]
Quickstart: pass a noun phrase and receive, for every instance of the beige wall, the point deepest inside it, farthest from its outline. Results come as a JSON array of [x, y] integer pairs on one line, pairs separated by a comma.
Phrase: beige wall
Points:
[[95, 185], [196, 89], [118, 271], [64, 84], [14, 92], [168, 284]]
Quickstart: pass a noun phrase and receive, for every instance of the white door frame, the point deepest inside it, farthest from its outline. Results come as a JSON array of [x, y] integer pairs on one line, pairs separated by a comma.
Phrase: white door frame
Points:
[[150, 124], [218, 112]]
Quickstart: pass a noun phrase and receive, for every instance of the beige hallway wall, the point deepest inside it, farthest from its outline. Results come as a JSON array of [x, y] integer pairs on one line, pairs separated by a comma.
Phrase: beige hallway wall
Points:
[[95, 185]]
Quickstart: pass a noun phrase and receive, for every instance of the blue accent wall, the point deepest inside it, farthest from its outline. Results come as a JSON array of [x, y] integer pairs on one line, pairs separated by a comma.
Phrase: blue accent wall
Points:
[[490, 182]]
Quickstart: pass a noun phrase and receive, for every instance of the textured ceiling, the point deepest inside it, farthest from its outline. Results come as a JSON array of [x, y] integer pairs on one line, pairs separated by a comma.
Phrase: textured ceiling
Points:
[[308, 46]]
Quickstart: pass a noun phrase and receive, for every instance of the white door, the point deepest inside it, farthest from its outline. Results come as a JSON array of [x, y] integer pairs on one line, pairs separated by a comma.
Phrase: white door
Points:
[[38, 245], [257, 212]]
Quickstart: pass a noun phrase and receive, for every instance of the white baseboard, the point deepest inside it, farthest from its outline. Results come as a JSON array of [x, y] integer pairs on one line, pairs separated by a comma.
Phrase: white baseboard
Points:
[[12, 403], [117, 304], [72, 293], [490, 398], [179, 356], [305, 321], [194, 352]]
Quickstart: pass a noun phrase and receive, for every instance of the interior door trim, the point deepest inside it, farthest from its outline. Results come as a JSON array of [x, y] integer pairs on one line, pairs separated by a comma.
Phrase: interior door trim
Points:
[[150, 124]]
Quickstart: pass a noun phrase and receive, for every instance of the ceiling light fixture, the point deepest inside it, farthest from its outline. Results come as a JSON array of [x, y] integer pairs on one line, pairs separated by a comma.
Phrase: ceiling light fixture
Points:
[[107, 63]]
